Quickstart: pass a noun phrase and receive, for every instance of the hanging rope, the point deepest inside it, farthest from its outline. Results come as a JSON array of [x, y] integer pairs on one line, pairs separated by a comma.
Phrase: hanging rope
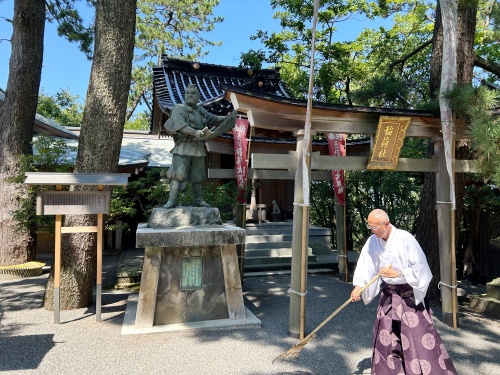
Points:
[[300, 204], [290, 290], [449, 286]]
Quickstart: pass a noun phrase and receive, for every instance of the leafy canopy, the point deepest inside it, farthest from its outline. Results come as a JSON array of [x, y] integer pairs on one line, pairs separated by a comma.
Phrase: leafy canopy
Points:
[[170, 27], [62, 107]]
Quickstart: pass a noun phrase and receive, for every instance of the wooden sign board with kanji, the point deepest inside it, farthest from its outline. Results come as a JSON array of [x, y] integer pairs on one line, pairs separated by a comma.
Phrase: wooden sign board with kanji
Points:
[[391, 132]]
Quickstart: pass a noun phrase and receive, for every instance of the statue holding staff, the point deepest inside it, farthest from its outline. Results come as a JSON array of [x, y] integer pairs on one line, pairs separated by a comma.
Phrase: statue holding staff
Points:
[[190, 125]]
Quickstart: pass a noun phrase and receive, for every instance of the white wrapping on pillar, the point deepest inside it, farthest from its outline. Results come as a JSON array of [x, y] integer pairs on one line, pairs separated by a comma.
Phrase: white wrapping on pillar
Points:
[[449, 15], [307, 126]]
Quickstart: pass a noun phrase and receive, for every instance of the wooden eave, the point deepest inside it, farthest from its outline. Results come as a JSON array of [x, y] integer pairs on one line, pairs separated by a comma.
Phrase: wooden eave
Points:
[[286, 114]]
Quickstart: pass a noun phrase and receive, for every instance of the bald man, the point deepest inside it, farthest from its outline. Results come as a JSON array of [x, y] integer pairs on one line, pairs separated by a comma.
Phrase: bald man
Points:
[[405, 340]]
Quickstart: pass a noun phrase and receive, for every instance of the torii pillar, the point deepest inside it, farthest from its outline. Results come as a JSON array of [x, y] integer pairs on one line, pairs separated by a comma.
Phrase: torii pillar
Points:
[[443, 206], [298, 282]]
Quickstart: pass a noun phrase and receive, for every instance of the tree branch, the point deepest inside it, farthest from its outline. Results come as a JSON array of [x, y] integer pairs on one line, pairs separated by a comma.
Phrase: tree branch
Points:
[[487, 65], [407, 56]]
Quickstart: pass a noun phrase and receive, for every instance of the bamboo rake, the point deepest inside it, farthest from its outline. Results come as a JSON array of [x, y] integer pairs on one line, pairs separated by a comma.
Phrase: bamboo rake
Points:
[[295, 350]]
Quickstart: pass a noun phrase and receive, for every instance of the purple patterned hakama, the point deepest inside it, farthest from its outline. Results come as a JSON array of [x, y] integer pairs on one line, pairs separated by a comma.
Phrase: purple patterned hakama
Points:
[[405, 341]]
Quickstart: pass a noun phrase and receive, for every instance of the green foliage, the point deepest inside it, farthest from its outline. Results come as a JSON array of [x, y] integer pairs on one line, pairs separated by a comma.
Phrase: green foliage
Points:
[[133, 204], [71, 25], [140, 122], [383, 67], [487, 36], [383, 92], [485, 197], [474, 105], [322, 212], [170, 27], [397, 192], [63, 108], [252, 59], [51, 155], [224, 197], [396, 62]]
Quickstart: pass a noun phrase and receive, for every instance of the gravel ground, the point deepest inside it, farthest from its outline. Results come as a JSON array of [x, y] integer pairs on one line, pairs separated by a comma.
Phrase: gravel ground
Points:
[[30, 343]]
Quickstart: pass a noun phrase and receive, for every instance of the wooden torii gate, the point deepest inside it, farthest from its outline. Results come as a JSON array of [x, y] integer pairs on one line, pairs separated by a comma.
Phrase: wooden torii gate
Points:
[[288, 115]]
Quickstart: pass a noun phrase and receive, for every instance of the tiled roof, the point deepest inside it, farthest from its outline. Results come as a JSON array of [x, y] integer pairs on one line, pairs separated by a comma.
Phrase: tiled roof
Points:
[[331, 106], [45, 126], [171, 78], [128, 156]]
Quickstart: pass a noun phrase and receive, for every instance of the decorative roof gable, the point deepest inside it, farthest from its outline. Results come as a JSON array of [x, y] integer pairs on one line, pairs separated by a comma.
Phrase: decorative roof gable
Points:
[[172, 77]]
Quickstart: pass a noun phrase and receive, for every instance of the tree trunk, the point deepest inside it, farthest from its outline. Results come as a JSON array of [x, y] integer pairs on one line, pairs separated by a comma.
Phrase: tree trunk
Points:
[[426, 223], [467, 12], [16, 125], [100, 141], [427, 228]]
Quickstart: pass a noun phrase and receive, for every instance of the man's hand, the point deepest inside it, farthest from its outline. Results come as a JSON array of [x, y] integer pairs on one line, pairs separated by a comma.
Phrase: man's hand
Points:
[[354, 294], [388, 272]]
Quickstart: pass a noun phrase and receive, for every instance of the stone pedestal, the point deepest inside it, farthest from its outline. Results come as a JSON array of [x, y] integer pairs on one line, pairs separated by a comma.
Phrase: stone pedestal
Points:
[[489, 304], [276, 216], [261, 212], [190, 274]]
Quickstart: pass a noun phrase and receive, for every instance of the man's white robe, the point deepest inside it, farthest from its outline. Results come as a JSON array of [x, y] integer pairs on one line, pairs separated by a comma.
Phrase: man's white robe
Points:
[[402, 251]]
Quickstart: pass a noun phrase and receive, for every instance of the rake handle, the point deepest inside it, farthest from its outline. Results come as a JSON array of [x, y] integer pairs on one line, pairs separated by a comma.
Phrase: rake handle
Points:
[[343, 305]]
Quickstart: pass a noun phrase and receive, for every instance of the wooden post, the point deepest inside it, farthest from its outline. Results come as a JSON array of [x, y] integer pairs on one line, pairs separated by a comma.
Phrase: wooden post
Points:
[[100, 239], [57, 266], [453, 267], [341, 242], [297, 235], [444, 216], [303, 178], [240, 248]]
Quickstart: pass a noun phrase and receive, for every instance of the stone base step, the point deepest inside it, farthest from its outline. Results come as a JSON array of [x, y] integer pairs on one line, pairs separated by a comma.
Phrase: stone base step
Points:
[[485, 305], [269, 245], [285, 272], [266, 238], [284, 265], [271, 252], [276, 230], [274, 260]]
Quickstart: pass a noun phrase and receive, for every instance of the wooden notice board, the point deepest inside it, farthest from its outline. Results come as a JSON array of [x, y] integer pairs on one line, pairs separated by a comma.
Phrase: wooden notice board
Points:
[[61, 203]]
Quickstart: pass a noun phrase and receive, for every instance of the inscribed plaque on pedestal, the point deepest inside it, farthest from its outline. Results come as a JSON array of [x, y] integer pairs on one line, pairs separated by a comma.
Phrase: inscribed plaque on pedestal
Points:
[[191, 273], [389, 140]]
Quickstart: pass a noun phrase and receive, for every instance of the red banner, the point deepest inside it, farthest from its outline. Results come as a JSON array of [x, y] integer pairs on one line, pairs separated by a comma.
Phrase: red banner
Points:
[[336, 147], [240, 156]]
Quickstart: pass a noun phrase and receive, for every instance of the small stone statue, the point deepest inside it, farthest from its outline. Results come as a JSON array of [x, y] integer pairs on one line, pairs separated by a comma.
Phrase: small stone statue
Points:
[[189, 125], [276, 209]]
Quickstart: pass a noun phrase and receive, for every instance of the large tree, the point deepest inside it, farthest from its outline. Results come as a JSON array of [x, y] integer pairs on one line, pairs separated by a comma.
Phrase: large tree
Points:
[[427, 233], [16, 124], [18, 112], [100, 140]]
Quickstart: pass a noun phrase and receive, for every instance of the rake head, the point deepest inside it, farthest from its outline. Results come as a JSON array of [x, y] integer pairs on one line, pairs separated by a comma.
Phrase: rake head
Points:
[[294, 351]]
